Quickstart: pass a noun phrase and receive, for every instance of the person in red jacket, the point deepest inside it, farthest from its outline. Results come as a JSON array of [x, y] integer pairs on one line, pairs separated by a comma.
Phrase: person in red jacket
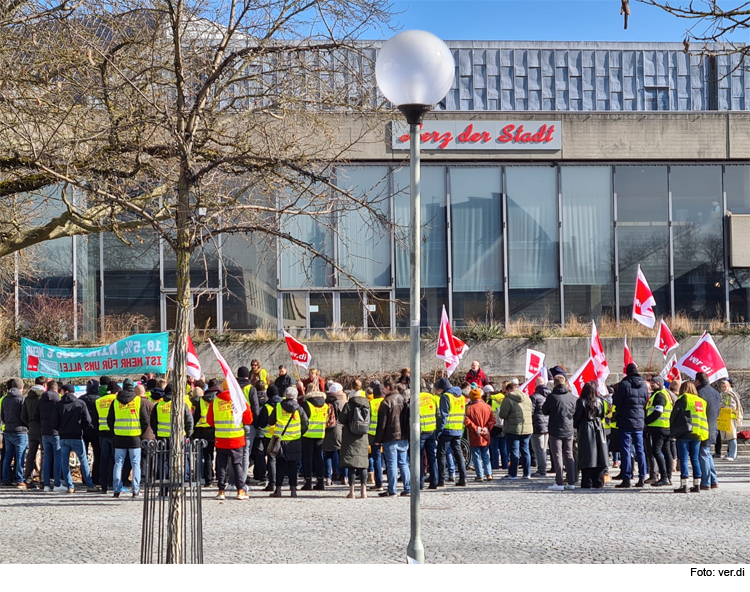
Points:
[[479, 421], [476, 374], [230, 446]]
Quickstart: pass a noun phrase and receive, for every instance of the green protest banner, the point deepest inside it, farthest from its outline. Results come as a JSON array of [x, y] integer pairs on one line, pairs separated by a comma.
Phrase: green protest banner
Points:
[[137, 354]]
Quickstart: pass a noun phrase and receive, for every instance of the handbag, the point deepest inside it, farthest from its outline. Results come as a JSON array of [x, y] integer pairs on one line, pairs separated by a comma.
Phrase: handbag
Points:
[[274, 446]]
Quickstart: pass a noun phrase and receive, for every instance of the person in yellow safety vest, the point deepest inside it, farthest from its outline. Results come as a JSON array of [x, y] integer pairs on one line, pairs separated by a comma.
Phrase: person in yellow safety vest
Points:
[[202, 430], [161, 418], [150, 385], [450, 428], [127, 419], [658, 413], [316, 409], [230, 439], [267, 431], [251, 396], [289, 423], [732, 410], [689, 425], [258, 374], [106, 437], [375, 473], [428, 411], [498, 447]]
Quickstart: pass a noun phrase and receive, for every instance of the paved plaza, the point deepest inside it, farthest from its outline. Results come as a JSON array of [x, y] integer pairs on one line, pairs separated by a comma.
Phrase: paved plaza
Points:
[[498, 522]]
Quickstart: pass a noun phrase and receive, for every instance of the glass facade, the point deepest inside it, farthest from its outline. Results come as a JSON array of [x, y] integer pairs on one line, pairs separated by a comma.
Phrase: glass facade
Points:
[[501, 242]]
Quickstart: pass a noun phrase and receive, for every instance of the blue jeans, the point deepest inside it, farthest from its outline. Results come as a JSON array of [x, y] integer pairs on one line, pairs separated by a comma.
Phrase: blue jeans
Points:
[[732, 449], [516, 443], [377, 464], [428, 446], [636, 438], [332, 463], [395, 453], [708, 470], [51, 460], [15, 447], [481, 456], [498, 452], [135, 462], [689, 447], [76, 446]]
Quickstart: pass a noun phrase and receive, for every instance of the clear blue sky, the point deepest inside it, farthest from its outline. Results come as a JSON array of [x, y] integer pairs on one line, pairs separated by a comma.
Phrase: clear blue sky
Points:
[[538, 20]]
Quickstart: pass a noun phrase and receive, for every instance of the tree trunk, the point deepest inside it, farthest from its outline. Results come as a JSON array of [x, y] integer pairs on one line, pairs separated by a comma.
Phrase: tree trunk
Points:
[[175, 543]]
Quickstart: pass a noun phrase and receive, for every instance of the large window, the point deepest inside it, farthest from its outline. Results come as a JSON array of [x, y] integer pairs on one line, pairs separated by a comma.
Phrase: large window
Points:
[[476, 240], [643, 233], [588, 254], [698, 241], [534, 286], [737, 187]]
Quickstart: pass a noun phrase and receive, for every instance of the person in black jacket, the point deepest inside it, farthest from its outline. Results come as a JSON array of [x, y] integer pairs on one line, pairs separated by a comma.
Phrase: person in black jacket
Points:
[[15, 433], [251, 396], [284, 381], [203, 431], [35, 435], [540, 437], [630, 402], [291, 450], [71, 421], [129, 446], [91, 434], [659, 435], [560, 406], [46, 411], [272, 400], [709, 479]]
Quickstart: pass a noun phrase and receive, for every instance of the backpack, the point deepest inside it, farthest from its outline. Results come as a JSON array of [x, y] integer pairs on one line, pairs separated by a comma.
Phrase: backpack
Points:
[[359, 420]]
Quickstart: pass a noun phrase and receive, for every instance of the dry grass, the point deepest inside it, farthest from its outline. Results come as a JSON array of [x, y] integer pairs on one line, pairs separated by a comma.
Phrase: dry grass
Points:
[[120, 326]]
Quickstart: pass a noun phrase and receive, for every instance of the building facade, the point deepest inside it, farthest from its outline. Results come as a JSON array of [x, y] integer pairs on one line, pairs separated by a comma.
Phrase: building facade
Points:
[[550, 172]]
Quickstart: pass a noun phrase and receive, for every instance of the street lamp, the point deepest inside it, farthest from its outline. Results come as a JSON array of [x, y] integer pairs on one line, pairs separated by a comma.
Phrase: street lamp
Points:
[[415, 70]]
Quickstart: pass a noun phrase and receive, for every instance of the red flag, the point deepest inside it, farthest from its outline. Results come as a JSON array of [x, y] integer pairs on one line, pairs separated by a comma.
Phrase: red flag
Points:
[[665, 341], [704, 357], [601, 366], [193, 364], [626, 357], [643, 302], [584, 374], [239, 403], [299, 352], [449, 348], [534, 361], [670, 371], [529, 386]]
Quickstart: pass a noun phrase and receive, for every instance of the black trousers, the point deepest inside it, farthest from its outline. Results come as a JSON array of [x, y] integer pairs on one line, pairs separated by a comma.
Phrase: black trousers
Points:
[[107, 462], [312, 458], [592, 478], [288, 468], [30, 465], [91, 437], [234, 456], [661, 450], [352, 472], [258, 453], [270, 462], [455, 443]]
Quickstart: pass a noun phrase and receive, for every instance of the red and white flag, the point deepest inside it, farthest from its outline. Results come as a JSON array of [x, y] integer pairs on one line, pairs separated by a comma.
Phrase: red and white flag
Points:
[[534, 361], [529, 386], [239, 403], [298, 351], [584, 374], [449, 348], [643, 302], [665, 341], [601, 367], [627, 358], [704, 357], [671, 372], [193, 364]]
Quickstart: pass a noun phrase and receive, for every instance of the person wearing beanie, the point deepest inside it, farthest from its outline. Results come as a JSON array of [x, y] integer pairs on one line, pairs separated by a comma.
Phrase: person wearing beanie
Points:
[[266, 431], [289, 423], [540, 423], [335, 399], [91, 434], [630, 401], [450, 428], [127, 419], [251, 396], [229, 439], [71, 422], [353, 458], [106, 437], [45, 412], [30, 403], [203, 430], [658, 412], [149, 386], [104, 385], [479, 421], [560, 407], [15, 433]]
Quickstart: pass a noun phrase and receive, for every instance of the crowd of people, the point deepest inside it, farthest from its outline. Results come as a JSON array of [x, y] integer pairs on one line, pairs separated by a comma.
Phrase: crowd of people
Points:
[[324, 433]]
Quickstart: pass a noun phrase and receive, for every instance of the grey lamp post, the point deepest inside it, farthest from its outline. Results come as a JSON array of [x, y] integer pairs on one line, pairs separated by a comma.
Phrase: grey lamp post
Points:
[[415, 70]]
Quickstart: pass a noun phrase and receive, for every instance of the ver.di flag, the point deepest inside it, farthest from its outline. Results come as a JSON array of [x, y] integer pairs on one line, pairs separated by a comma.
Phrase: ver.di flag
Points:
[[643, 302], [298, 351], [534, 361], [627, 358], [704, 357], [665, 341], [670, 371], [449, 348], [601, 367], [193, 364], [529, 386], [586, 373], [239, 403]]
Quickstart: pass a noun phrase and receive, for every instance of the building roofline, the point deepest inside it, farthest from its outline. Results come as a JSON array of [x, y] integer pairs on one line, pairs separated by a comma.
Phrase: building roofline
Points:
[[571, 45]]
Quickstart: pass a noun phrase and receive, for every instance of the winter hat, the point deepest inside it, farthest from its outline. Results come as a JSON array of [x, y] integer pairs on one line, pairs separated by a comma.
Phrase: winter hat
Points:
[[243, 372], [475, 394], [150, 384], [291, 392], [92, 387], [168, 392], [557, 370], [335, 388], [272, 391], [474, 385], [514, 380], [658, 380], [68, 388], [112, 387], [127, 385], [631, 369], [489, 389], [443, 384], [16, 383], [105, 380]]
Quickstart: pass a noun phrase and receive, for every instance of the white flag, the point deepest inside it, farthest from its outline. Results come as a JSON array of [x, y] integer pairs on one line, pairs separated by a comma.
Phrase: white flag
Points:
[[239, 404]]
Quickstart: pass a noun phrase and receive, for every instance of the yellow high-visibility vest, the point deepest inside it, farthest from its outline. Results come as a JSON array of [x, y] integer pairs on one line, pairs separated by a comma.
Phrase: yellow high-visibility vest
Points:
[[374, 407], [455, 419], [127, 418], [697, 408], [164, 419], [663, 421], [102, 409], [293, 430], [316, 428], [427, 413], [267, 432], [203, 421], [224, 421]]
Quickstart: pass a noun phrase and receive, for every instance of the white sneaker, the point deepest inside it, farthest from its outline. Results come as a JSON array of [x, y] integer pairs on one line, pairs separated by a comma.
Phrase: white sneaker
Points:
[[511, 478], [61, 489], [570, 487], [729, 458], [556, 487], [47, 489]]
